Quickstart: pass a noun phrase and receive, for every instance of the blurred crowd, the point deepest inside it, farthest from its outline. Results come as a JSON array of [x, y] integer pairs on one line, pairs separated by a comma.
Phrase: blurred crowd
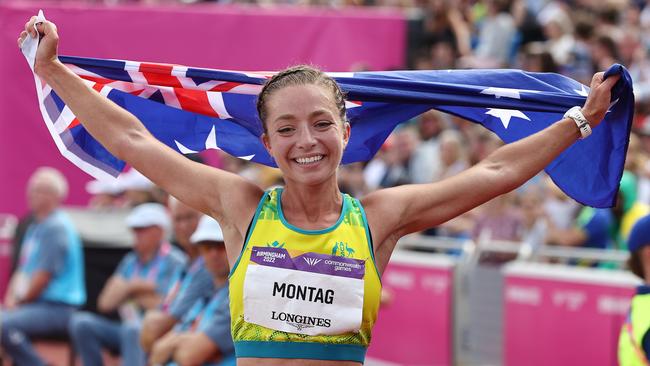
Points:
[[572, 37], [166, 302]]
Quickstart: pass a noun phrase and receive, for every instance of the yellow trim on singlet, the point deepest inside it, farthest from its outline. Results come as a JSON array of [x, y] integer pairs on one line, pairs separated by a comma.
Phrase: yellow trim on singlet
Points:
[[348, 237]]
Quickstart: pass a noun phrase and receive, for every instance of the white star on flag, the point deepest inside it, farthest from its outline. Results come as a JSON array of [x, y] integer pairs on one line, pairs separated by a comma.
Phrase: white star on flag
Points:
[[506, 114], [210, 143], [183, 149], [583, 92], [502, 92]]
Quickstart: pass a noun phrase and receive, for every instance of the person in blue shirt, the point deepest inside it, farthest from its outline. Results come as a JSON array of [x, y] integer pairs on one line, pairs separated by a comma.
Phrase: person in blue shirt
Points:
[[141, 280], [203, 334], [48, 284], [193, 283], [591, 230], [634, 339]]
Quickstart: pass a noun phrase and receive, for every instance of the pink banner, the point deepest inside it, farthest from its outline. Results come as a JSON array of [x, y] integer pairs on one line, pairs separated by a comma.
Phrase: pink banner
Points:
[[556, 316], [5, 265], [7, 227], [226, 37], [415, 324]]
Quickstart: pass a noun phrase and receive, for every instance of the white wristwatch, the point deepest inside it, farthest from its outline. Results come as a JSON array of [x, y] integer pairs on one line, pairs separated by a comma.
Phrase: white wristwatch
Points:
[[576, 115]]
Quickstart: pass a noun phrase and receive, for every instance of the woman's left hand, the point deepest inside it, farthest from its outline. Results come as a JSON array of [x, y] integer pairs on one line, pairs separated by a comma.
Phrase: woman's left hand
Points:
[[598, 101]]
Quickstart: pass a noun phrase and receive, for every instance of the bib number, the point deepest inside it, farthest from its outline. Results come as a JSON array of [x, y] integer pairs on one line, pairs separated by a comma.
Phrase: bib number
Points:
[[311, 293]]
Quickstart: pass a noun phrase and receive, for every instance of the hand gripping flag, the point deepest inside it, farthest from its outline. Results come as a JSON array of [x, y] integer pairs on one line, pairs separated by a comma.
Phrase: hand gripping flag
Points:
[[193, 109]]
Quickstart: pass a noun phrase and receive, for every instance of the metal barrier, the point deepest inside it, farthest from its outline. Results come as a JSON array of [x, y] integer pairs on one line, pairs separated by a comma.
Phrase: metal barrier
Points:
[[479, 330], [102, 228]]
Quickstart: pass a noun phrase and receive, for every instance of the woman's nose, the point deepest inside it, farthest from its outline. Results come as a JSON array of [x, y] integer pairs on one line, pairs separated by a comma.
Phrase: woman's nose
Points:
[[306, 138]]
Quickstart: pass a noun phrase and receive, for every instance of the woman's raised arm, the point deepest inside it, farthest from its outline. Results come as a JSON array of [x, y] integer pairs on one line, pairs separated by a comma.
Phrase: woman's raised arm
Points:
[[227, 197], [395, 212]]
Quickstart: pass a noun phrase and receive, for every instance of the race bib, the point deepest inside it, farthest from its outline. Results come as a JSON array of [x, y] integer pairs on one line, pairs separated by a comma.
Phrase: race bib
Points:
[[309, 293]]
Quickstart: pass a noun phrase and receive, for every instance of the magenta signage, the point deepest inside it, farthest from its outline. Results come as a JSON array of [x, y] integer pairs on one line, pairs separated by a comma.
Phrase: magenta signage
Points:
[[414, 326], [561, 316]]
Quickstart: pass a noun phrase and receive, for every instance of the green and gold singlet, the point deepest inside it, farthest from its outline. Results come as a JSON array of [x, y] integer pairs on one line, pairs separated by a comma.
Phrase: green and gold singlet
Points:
[[311, 294]]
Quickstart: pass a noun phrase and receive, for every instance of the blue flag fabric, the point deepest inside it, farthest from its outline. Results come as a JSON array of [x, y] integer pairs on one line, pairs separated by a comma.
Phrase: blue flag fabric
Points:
[[193, 109]]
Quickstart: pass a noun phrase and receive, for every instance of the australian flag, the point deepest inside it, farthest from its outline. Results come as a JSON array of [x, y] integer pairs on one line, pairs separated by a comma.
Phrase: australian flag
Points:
[[194, 109]]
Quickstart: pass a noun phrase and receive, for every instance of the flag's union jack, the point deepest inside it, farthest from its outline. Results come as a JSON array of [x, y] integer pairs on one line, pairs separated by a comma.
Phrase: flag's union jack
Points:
[[192, 109]]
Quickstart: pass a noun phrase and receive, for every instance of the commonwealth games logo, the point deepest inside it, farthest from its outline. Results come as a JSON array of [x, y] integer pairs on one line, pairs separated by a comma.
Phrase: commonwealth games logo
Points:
[[342, 249]]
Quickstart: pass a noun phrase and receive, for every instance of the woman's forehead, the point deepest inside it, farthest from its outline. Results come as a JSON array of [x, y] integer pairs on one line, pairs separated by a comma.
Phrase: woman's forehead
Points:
[[300, 100]]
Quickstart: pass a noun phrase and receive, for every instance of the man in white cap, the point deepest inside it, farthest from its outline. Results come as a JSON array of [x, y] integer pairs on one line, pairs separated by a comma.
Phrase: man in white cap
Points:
[[203, 335], [48, 284], [195, 283], [139, 283]]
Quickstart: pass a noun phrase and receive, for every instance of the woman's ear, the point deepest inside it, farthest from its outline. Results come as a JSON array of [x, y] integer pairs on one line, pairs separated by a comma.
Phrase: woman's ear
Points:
[[265, 141], [346, 133]]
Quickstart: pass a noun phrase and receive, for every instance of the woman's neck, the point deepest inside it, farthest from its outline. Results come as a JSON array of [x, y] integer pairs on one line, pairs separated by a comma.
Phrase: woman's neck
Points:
[[312, 207]]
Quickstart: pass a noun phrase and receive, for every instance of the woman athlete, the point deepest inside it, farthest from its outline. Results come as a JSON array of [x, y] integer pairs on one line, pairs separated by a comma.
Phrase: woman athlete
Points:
[[306, 259]]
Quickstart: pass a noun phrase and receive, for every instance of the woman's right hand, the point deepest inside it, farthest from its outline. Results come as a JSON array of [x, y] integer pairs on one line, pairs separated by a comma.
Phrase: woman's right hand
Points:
[[46, 54]]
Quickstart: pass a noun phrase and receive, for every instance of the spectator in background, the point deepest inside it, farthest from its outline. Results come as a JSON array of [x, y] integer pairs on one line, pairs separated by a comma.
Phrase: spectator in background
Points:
[[437, 24], [142, 278], [203, 335], [351, 180], [48, 284], [628, 209], [425, 163], [128, 190], [497, 220], [591, 229], [604, 51], [558, 29], [374, 171], [184, 222], [536, 58], [531, 210], [559, 209], [528, 29], [643, 162], [481, 142], [580, 65], [634, 339], [397, 158], [453, 157], [18, 237], [496, 37], [137, 188], [608, 18], [106, 194], [192, 284], [443, 55]]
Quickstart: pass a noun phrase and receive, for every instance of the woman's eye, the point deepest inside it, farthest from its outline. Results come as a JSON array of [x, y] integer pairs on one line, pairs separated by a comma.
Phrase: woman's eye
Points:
[[323, 124], [285, 130]]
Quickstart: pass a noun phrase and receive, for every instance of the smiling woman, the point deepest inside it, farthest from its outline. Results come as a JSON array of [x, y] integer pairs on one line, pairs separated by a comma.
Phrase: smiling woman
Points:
[[307, 236], [304, 133]]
